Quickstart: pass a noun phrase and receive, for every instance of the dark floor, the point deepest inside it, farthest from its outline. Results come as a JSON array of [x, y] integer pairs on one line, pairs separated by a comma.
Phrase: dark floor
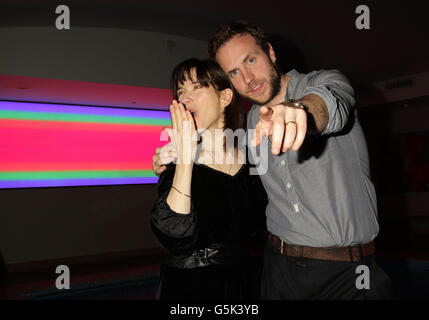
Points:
[[135, 278], [410, 280], [136, 288]]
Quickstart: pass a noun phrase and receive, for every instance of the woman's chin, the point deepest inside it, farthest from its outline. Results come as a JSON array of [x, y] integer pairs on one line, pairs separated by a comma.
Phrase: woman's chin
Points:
[[200, 127]]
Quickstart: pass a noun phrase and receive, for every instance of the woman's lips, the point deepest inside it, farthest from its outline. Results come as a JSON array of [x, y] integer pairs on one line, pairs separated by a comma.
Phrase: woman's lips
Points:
[[193, 115]]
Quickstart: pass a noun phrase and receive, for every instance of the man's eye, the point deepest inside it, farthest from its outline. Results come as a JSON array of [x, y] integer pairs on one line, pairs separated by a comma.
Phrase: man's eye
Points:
[[198, 86], [233, 73], [252, 60]]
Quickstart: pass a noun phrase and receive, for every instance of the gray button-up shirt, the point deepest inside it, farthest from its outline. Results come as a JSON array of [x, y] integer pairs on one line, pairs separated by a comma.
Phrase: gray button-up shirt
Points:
[[322, 195]]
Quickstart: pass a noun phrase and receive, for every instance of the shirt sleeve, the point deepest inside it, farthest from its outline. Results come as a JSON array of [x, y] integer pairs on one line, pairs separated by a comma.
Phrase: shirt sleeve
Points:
[[337, 93], [175, 232]]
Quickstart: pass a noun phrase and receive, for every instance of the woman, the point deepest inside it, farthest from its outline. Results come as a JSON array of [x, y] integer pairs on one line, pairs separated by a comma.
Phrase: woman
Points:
[[206, 210]]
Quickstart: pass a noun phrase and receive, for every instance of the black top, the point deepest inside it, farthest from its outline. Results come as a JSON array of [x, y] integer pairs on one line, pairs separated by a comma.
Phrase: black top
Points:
[[224, 209]]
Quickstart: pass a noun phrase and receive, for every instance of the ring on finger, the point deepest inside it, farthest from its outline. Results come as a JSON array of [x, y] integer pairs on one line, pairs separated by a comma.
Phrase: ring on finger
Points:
[[290, 121]]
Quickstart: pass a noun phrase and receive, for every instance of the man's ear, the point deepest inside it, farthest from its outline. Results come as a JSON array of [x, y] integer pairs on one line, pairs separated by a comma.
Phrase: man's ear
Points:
[[226, 97], [272, 53]]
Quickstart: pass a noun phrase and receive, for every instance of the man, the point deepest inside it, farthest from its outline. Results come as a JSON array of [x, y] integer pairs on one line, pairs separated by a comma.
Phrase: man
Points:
[[321, 215]]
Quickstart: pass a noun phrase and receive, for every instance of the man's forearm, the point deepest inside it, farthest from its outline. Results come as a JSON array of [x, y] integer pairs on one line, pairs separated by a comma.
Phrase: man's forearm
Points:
[[317, 115]]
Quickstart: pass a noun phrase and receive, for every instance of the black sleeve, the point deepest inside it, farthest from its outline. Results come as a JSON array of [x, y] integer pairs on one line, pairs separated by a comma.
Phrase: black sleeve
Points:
[[175, 232]]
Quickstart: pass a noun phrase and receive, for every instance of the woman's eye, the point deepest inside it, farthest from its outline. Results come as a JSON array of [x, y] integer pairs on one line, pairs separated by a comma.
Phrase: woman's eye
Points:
[[197, 86], [179, 93]]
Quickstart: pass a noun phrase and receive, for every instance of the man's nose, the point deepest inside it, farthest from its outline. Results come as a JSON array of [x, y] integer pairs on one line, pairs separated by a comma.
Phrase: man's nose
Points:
[[248, 76]]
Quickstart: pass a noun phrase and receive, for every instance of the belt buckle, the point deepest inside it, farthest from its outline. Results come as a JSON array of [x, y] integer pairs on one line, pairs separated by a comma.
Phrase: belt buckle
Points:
[[201, 253]]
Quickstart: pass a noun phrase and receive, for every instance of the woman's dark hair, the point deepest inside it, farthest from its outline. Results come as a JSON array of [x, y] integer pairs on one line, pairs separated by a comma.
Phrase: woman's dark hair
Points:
[[208, 72]]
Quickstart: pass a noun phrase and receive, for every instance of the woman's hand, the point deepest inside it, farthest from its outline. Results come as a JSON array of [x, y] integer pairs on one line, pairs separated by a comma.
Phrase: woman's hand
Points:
[[183, 134]]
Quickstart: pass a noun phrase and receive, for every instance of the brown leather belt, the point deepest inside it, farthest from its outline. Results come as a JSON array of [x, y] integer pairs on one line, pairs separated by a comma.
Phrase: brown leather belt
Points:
[[352, 253]]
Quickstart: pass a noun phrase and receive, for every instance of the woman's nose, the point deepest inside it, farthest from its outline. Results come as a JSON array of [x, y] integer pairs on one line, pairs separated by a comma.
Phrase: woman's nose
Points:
[[186, 99]]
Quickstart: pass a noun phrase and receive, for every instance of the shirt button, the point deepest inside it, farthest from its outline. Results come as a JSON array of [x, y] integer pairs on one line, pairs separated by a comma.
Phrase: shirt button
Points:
[[296, 207], [288, 185], [283, 163]]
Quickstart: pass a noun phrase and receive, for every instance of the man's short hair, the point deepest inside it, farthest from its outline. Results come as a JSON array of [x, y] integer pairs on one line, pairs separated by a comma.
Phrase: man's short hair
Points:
[[229, 30]]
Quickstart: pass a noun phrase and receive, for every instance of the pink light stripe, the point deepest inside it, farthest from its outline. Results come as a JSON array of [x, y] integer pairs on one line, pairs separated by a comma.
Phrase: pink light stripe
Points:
[[74, 146], [63, 125], [80, 92], [77, 166]]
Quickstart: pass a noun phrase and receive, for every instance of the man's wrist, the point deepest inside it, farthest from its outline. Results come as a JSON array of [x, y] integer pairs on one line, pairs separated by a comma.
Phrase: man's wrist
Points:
[[295, 104]]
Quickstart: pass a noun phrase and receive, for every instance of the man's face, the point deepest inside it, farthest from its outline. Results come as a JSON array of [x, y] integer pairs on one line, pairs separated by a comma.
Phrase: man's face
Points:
[[250, 70]]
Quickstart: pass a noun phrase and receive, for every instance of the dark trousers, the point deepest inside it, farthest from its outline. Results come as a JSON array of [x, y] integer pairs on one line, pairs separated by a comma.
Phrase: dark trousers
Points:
[[292, 278]]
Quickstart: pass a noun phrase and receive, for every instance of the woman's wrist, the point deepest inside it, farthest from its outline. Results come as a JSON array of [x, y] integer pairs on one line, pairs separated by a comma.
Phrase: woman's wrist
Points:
[[179, 197], [184, 167], [183, 177]]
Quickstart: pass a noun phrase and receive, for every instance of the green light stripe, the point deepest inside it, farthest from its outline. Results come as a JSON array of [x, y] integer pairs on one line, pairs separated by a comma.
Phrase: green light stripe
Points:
[[50, 116], [54, 175]]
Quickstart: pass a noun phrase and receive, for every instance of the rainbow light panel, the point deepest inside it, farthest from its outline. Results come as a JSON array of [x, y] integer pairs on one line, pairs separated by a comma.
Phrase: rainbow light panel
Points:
[[52, 145]]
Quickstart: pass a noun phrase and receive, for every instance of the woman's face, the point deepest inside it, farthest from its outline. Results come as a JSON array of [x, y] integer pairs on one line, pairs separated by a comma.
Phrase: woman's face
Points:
[[203, 102]]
